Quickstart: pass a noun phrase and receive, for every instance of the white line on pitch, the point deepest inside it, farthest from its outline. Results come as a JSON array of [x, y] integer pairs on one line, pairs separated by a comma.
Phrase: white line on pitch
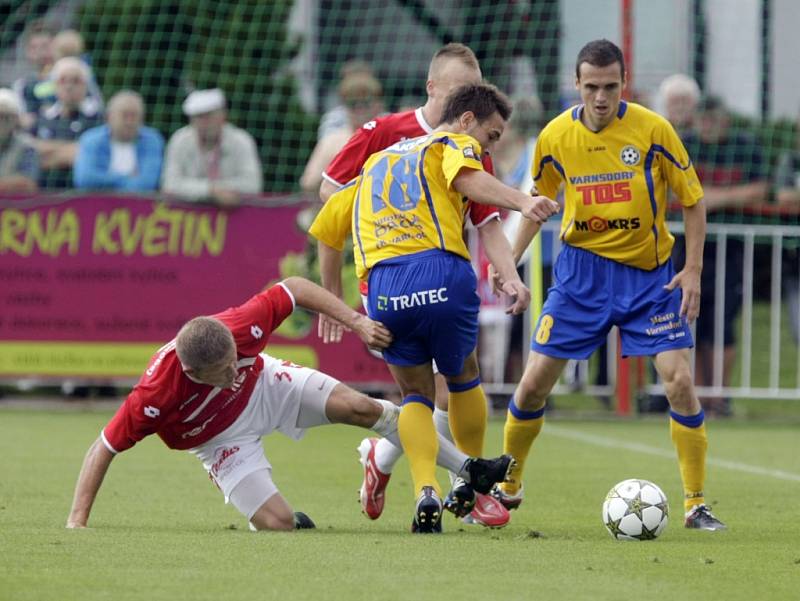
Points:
[[613, 443]]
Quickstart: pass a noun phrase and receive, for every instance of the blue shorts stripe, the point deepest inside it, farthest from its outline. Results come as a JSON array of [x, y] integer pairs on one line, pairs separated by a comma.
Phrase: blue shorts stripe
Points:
[[463, 386], [520, 414], [418, 398], [690, 421]]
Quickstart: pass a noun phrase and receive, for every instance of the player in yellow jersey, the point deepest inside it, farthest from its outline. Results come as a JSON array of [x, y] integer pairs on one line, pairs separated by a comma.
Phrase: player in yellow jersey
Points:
[[407, 209], [616, 161]]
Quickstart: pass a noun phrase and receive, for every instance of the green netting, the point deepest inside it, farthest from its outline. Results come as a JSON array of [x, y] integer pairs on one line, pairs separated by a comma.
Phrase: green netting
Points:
[[279, 83], [163, 49]]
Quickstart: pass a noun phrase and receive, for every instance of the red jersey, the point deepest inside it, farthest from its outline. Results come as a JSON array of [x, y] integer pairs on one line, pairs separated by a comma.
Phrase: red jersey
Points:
[[183, 412], [381, 133]]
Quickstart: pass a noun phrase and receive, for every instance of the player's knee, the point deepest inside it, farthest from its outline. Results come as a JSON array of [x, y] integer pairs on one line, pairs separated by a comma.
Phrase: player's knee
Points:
[[265, 519], [678, 380], [530, 396]]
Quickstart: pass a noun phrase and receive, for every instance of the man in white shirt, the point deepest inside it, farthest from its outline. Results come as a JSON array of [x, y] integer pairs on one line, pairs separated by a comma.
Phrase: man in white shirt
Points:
[[210, 159]]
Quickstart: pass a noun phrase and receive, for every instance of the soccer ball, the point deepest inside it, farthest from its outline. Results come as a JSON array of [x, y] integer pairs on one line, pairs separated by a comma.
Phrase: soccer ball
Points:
[[635, 510]]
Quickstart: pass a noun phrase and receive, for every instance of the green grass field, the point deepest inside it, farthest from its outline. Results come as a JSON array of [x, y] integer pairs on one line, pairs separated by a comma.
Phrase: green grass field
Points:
[[160, 529]]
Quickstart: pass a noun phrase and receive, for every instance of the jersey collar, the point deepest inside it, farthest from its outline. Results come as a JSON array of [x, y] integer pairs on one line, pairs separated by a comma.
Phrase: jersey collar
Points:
[[421, 120], [578, 110]]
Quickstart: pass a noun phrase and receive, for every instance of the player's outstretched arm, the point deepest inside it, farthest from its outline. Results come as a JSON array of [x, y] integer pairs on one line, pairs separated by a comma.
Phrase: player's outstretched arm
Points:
[[483, 188], [498, 250], [95, 466], [330, 271], [310, 296]]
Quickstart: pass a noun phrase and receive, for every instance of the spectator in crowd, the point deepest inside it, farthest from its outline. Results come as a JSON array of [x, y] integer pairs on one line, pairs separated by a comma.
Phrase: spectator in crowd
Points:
[[58, 128], [361, 94], [787, 185], [123, 154], [677, 100], [336, 117], [19, 161], [69, 42], [210, 159], [731, 167], [35, 90]]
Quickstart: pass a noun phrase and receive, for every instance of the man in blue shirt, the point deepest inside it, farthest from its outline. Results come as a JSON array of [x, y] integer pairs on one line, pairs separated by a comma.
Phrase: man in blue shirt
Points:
[[123, 154]]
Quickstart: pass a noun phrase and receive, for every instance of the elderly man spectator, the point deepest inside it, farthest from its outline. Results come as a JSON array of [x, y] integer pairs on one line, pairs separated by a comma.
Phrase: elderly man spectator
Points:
[[123, 154], [69, 42], [19, 161], [59, 127], [211, 159], [677, 99]]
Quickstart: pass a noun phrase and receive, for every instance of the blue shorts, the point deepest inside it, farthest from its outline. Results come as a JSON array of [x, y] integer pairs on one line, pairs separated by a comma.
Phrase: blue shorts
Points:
[[429, 302], [591, 293]]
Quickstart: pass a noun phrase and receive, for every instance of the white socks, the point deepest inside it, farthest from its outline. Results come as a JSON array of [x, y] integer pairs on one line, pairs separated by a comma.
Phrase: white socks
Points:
[[389, 450]]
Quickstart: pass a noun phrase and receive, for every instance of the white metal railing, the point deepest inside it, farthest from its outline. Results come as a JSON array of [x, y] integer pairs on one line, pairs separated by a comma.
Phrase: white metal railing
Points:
[[752, 378]]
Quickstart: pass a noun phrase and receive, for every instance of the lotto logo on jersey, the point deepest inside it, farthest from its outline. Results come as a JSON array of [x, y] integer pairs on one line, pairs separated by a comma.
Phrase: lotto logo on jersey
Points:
[[605, 193], [415, 299], [598, 224]]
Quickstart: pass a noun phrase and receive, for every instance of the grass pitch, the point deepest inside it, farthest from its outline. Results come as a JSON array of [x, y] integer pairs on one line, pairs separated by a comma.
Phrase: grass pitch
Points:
[[160, 529]]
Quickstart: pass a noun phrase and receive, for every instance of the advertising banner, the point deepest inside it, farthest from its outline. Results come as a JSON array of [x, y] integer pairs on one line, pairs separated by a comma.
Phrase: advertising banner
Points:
[[91, 285]]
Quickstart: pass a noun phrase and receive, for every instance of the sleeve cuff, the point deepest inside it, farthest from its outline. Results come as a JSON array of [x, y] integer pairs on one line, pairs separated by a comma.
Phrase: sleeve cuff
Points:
[[329, 179], [107, 444], [291, 296], [487, 219]]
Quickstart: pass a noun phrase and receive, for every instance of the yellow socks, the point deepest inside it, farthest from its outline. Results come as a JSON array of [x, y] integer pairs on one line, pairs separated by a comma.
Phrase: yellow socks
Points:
[[467, 410], [418, 436], [688, 434], [521, 429]]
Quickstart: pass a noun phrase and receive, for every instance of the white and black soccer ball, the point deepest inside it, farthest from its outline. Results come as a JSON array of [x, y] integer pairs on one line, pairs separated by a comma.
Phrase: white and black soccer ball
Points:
[[635, 510]]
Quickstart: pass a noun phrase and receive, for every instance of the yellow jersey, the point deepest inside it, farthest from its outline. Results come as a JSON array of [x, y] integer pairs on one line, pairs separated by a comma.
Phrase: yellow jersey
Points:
[[615, 182], [402, 202]]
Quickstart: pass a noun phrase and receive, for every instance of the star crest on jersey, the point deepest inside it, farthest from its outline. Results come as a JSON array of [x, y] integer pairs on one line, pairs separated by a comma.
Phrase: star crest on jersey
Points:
[[630, 155]]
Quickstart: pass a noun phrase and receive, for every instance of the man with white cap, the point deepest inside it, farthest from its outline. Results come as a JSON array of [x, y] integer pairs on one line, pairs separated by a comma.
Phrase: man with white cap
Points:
[[210, 159], [19, 161]]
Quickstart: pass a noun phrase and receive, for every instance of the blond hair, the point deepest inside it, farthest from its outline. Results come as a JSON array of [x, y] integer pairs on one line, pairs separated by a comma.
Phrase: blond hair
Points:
[[203, 342], [453, 50]]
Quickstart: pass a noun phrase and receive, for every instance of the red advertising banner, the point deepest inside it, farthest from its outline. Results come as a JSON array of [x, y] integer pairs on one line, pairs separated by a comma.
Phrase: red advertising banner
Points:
[[92, 285]]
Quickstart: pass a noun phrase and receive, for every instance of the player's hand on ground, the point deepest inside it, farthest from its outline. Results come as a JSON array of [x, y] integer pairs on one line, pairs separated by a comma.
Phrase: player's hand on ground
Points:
[[74, 525], [540, 209], [374, 334], [688, 280], [329, 329], [519, 293]]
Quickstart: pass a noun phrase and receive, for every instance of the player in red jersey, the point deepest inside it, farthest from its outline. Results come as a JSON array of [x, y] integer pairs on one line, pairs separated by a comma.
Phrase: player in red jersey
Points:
[[213, 392], [451, 67]]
